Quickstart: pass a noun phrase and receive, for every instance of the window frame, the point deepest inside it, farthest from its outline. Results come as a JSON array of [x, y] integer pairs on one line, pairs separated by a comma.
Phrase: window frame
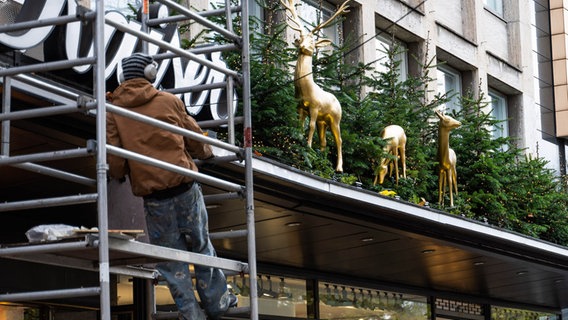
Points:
[[499, 111], [326, 12], [448, 71], [381, 41], [495, 6]]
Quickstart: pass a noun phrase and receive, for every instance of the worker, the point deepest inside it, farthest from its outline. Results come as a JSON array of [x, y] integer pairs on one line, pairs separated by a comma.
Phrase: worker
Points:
[[173, 203]]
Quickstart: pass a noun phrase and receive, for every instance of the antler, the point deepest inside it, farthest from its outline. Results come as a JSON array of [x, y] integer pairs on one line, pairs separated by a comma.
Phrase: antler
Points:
[[342, 9], [291, 8]]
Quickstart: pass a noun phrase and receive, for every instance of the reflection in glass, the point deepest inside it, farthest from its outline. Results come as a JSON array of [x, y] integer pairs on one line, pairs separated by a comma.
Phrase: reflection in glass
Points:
[[343, 302]]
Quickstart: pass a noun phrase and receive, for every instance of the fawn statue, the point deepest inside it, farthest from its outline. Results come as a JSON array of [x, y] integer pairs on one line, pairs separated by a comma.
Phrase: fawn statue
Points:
[[446, 158], [323, 108], [396, 145]]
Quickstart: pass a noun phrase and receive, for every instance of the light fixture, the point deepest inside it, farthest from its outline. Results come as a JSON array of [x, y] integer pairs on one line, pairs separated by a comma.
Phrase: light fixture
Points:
[[522, 272], [426, 251], [478, 263], [293, 224], [367, 239]]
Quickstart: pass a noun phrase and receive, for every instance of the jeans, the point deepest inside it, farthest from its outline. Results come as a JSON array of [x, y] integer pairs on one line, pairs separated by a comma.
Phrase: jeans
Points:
[[169, 221]]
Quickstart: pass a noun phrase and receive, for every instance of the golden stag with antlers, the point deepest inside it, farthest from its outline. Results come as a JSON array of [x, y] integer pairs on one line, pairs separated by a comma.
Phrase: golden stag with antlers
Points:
[[322, 107]]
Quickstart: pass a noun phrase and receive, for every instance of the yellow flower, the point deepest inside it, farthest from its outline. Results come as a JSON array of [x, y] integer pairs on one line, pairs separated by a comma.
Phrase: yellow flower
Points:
[[388, 193]]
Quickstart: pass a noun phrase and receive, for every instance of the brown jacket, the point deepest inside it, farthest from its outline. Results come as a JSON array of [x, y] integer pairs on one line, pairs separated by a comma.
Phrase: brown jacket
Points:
[[140, 96]]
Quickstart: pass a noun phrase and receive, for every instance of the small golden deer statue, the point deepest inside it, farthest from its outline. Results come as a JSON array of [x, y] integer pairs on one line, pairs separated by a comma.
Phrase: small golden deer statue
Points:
[[396, 146], [446, 158], [322, 107]]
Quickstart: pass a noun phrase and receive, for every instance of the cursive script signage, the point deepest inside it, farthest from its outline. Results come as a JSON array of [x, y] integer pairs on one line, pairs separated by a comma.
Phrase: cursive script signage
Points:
[[77, 40]]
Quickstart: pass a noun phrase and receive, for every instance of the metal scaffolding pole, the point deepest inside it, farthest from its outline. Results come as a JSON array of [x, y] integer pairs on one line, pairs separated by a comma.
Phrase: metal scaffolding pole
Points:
[[201, 20], [6, 108], [56, 173], [165, 45], [51, 202], [51, 294], [180, 17], [46, 66], [177, 169], [251, 236], [102, 166], [43, 112], [103, 244], [175, 129]]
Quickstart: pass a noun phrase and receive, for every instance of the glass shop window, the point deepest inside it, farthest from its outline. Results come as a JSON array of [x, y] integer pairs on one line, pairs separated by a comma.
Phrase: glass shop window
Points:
[[277, 296], [495, 6], [338, 301], [449, 83], [500, 313], [386, 45], [499, 112]]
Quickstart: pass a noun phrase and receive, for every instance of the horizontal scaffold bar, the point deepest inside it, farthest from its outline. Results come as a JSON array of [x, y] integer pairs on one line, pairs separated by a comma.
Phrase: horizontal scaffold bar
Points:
[[50, 294], [48, 202], [46, 66], [197, 88], [45, 111], [198, 50], [45, 22], [165, 253], [63, 175], [177, 169], [228, 234], [180, 17], [42, 84], [44, 248], [46, 156], [215, 198], [175, 129], [164, 45], [217, 160], [201, 20], [220, 122]]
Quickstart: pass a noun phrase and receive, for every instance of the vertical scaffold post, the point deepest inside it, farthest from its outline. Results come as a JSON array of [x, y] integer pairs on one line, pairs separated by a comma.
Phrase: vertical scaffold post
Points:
[[251, 235], [145, 15], [6, 108], [102, 167]]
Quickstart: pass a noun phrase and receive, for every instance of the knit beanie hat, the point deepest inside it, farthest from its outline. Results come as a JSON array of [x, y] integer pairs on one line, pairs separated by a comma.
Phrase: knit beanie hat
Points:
[[133, 66]]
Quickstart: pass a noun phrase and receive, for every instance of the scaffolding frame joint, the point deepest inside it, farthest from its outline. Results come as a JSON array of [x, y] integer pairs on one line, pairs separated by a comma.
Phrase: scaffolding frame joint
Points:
[[84, 14]]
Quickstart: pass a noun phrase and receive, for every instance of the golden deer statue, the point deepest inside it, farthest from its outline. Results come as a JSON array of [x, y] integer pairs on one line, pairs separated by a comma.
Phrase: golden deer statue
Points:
[[446, 158], [322, 107], [396, 146]]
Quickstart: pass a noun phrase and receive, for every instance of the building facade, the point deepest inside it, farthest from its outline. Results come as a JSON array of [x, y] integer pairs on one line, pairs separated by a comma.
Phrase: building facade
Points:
[[327, 250]]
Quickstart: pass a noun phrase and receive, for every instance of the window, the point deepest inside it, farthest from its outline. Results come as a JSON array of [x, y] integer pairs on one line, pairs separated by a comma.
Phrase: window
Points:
[[499, 112], [338, 301], [495, 6], [315, 12], [384, 44], [449, 83]]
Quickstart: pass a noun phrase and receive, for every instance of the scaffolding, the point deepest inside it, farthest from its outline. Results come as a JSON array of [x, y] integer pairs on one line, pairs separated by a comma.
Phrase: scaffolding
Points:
[[101, 252]]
